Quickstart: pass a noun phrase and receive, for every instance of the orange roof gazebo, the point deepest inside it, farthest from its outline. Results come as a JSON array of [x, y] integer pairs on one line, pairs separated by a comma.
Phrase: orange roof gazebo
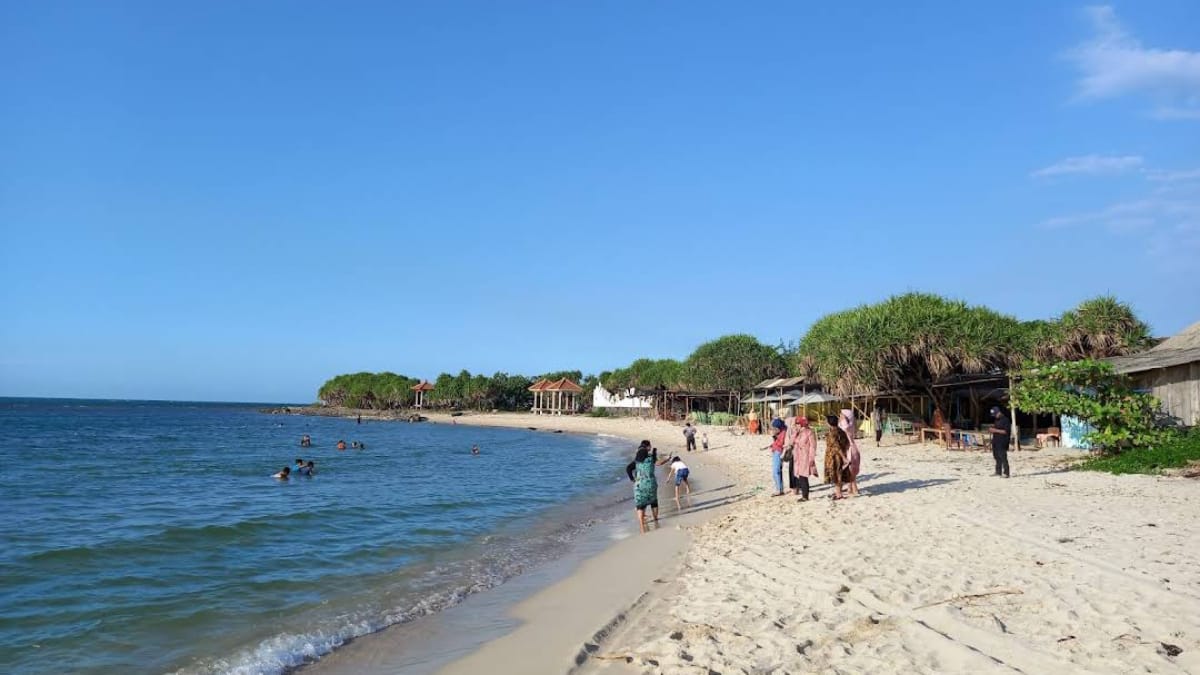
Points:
[[422, 387], [555, 398]]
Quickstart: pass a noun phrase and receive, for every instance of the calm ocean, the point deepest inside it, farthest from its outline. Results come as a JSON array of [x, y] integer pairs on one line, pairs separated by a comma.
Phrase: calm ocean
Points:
[[149, 536]]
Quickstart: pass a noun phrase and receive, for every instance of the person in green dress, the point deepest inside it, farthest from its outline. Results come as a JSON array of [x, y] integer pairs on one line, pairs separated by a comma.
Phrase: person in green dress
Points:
[[645, 484]]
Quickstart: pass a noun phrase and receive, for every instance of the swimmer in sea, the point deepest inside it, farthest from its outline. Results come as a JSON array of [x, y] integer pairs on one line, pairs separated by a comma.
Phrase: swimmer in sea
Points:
[[283, 473], [474, 449], [299, 464], [341, 445], [311, 468]]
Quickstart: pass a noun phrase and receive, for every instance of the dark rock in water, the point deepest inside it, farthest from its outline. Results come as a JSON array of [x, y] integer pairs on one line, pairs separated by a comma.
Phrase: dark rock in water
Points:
[[531, 428], [558, 431]]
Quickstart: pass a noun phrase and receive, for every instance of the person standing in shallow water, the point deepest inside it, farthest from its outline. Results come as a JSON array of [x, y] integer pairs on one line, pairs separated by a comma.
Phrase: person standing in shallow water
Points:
[[645, 483], [1000, 440]]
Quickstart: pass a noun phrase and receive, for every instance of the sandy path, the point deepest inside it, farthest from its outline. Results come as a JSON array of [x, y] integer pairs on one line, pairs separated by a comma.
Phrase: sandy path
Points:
[[1077, 572]]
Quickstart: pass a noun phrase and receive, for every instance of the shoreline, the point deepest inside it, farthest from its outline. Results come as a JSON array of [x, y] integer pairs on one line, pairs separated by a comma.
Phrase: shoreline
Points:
[[531, 604], [938, 567]]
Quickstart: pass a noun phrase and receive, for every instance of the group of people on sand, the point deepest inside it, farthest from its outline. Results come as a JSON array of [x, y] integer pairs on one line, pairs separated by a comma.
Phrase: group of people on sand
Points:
[[641, 472], [794, 447]]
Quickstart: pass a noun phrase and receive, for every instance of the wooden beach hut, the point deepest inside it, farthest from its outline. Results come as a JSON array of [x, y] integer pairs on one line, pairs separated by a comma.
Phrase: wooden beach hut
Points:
[[555, 398], [420, 388], [1171, 373]]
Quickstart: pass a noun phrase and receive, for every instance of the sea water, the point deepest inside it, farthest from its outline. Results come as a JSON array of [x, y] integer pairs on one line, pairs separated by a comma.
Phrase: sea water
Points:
[[146, 536]]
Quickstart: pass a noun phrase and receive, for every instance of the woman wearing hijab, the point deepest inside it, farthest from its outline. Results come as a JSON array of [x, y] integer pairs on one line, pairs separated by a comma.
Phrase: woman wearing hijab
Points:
[[853, 456], [837, 469], [645, 483], [804, 456]]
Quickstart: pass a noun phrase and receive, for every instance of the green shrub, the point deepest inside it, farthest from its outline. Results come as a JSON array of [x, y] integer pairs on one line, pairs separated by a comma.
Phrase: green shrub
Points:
[[1181, 449]]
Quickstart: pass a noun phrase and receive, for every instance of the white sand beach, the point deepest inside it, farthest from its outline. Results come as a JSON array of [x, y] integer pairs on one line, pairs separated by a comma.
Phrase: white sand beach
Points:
[[938, 568]]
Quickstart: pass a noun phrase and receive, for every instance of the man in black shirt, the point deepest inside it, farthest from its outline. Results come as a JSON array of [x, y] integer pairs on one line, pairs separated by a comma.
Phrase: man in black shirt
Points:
[[1000, 439]]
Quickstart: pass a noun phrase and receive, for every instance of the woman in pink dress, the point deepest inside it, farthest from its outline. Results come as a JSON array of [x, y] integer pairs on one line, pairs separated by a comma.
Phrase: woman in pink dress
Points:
[[853, 456], [804, 455]]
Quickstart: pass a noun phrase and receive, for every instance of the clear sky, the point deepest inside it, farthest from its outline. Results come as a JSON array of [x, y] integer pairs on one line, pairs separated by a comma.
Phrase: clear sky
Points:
[[237, 200]]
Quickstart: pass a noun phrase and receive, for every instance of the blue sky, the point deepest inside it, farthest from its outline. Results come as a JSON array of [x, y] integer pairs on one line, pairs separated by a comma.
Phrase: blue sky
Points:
[[215, 200]]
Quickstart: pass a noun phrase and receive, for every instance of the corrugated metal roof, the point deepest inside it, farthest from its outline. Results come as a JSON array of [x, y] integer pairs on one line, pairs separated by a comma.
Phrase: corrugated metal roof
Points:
[[780, 383]]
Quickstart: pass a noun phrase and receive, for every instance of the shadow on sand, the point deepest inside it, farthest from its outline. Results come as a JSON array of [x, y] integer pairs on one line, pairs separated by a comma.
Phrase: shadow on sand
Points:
[[697, 507], [903, 485]]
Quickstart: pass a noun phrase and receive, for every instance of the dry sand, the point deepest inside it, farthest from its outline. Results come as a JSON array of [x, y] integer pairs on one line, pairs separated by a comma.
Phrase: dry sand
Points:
[[938, 568]]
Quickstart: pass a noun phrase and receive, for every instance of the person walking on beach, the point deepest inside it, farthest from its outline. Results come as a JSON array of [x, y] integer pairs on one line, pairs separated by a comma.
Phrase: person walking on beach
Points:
[[853, 455], [836, 462], [1000, 440], [804, 455], [645, 484], [779, 437], [689, 434], [877, 422]]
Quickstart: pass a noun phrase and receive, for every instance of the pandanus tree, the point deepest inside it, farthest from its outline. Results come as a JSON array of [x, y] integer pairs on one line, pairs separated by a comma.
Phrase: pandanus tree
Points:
[[1097, 328], [907, 342], [645, 374]]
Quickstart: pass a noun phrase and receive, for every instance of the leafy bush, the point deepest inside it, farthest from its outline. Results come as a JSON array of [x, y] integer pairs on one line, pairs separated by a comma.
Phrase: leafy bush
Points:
[[722, 419], [1179, 450]]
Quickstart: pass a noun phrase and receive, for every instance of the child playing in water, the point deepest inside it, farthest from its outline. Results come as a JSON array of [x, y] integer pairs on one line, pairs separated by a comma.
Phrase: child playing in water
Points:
[[680, 472]]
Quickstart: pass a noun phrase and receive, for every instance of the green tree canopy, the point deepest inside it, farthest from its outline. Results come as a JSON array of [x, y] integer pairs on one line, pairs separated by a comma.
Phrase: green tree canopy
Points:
[[645, 374], [736, 362], [1096, 328], [909, 340]]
